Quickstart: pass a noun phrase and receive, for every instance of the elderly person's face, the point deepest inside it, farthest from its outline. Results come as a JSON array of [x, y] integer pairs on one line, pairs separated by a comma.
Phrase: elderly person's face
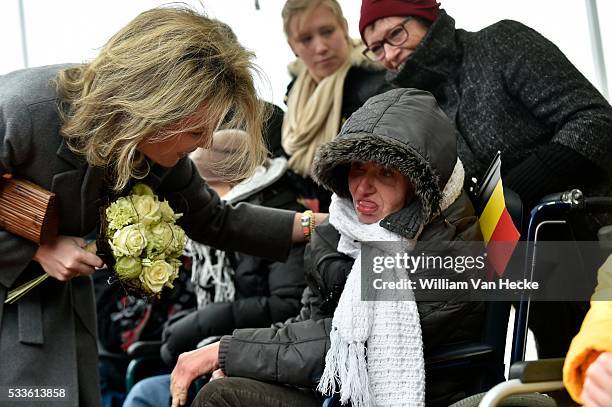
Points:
[[377, 191], [394, 39], [319, 40]]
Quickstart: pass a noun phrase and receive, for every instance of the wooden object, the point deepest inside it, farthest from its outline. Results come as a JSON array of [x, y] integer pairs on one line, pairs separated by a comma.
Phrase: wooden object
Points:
[[28, 210]]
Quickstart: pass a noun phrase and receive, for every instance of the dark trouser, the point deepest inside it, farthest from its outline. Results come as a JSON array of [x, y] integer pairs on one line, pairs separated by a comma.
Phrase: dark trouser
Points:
[[242, 392]]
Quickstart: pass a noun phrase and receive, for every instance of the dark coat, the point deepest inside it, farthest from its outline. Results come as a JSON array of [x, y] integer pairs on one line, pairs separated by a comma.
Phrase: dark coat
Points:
[[266, 291], [49, 337], [295, 353], [508, 88], [397, 129]]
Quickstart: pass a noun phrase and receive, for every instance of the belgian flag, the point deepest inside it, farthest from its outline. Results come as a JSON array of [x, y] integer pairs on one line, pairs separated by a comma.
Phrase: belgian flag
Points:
[[500, 234]]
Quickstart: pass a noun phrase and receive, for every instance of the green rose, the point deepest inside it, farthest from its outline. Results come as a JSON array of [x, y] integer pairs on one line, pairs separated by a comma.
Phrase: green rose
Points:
[[176, 265], [128, 268], [147, 208], [167, 213], [142, 189], [129, 241], [159, 240], [155, 274], [177, 244], [119, 214]]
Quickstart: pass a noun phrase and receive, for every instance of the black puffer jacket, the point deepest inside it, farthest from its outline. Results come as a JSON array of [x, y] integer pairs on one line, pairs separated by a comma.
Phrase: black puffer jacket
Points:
[[266, 291], [405, 129]]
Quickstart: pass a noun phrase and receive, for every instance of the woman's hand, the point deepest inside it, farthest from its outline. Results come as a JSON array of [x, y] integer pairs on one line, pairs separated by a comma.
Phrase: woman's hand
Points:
[[190, 366], [597, 389], [64, 258]]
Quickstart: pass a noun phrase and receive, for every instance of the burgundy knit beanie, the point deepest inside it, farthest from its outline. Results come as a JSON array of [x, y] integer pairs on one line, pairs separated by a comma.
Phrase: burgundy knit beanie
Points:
[[372, 10]]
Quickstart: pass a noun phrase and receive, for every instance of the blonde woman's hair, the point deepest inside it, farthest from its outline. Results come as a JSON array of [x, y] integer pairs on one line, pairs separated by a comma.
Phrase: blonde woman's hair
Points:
[[164, 66], [305, 7]]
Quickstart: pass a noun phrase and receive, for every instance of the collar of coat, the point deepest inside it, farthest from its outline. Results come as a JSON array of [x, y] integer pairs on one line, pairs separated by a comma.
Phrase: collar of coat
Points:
[[434, 59]]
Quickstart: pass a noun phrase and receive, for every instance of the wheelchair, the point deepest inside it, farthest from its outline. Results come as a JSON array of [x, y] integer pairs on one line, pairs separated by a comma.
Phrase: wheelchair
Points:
[[544, 375]]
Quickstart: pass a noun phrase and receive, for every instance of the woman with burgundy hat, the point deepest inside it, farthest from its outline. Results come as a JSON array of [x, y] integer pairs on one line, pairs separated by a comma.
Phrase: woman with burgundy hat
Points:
[[508, 89]]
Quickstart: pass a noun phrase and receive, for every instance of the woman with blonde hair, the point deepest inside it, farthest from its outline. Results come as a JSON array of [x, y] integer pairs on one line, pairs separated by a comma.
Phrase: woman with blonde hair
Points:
[[331, 79], [156, 92]]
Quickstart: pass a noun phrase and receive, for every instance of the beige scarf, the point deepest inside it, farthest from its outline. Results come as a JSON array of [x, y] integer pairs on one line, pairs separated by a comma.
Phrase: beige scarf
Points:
[[314, 111]]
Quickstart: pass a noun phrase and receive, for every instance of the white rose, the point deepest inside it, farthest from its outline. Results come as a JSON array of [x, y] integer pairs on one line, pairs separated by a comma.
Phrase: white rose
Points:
[[129, 241], [155, 274], [147, 208], [168, 213]]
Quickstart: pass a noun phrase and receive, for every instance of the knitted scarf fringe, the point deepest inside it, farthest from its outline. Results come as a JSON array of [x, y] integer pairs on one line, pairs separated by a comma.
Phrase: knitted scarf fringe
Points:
[[348, 373]]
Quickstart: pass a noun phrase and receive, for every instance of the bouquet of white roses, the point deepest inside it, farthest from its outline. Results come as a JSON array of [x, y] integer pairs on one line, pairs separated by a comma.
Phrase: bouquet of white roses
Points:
[[139, 240], [145, 241]]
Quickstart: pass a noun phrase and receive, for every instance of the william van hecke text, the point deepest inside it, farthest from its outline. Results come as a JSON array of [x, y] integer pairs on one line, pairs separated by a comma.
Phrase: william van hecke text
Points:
[[449, 284]]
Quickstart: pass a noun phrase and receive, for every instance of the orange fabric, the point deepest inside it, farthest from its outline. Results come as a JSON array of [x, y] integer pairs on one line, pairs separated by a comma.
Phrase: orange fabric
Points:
[[595, 335]]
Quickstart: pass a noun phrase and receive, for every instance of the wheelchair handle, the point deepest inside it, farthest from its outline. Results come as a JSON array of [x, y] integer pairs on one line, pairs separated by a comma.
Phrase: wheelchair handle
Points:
[[575, 201]]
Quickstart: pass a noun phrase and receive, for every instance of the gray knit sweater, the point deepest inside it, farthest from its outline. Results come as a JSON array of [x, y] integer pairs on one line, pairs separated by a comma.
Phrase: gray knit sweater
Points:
[[508, 88]]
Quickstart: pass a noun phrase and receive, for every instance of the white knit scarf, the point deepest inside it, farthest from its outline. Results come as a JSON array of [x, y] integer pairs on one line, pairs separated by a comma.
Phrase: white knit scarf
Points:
[[314, 111], [390, 371]]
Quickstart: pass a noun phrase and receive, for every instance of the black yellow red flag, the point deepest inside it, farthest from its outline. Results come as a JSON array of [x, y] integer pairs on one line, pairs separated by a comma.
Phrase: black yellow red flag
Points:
[[498, 229]]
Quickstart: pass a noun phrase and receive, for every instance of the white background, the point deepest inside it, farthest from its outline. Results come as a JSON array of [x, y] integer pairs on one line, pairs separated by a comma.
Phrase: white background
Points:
[[73, 30]]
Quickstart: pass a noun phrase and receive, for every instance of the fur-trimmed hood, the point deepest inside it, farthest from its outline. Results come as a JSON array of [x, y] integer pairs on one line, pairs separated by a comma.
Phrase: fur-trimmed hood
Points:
[[403, 129], [357, 59]]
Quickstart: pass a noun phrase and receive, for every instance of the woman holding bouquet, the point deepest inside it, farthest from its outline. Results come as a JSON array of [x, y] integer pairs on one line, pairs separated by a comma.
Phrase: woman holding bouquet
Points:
[[156, 92]]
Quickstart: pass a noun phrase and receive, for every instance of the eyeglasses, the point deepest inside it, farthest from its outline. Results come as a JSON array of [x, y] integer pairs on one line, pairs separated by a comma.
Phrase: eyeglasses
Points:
[[396, 36]]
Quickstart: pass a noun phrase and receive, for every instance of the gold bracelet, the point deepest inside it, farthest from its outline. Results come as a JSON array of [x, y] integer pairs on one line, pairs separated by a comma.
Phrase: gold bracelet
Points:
[[308, 224]]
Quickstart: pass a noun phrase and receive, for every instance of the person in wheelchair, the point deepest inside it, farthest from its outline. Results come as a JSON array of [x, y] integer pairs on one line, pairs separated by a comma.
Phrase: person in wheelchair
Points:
[[395, 176], [233, 290], [507, 89], [587, 372]]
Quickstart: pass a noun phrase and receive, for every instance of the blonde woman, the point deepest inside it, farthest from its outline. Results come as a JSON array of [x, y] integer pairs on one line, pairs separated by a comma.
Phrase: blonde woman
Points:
[[331, 80], [156, 92]]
